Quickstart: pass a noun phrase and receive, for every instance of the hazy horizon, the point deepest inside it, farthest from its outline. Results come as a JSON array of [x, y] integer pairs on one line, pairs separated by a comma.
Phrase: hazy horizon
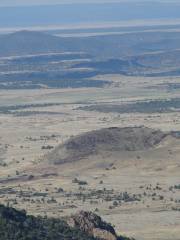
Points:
[[52, 2], [14, 14]]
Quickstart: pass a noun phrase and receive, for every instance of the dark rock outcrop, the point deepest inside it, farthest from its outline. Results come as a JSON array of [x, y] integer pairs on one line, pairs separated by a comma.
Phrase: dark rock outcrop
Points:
[[93, 225]]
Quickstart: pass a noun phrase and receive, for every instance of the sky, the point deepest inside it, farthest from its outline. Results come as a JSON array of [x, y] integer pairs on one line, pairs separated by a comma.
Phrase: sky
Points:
[[51, 2]]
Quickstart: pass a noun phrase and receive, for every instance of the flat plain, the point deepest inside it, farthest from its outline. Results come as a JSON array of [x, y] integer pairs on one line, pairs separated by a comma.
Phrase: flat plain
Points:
[[34, 122]]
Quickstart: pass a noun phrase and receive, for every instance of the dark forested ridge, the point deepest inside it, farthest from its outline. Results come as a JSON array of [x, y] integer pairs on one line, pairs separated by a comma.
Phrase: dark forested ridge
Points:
[[17, 225]]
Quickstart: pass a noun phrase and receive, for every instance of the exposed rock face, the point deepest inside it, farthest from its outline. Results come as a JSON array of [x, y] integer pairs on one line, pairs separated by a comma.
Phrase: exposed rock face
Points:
[[93, 225]]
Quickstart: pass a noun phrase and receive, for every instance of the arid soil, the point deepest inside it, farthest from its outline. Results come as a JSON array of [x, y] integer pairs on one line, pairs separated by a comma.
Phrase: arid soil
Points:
[[137, 191]]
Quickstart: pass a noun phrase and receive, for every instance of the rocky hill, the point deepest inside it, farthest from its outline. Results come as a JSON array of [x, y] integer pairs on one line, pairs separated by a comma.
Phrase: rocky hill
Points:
[[108, 139], [93, 225]]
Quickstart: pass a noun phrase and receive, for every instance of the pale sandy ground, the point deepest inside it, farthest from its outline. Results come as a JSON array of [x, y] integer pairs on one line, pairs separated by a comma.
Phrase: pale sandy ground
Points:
[[145, 220]]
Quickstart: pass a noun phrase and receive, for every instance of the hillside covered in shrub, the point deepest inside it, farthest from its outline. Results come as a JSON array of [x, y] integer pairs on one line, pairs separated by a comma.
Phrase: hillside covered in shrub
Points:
[[17, 225]]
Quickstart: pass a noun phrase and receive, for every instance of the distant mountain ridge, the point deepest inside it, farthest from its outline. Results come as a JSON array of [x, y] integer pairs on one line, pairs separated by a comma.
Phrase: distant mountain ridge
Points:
[[101, 47], [28, 42], [31, 60]]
